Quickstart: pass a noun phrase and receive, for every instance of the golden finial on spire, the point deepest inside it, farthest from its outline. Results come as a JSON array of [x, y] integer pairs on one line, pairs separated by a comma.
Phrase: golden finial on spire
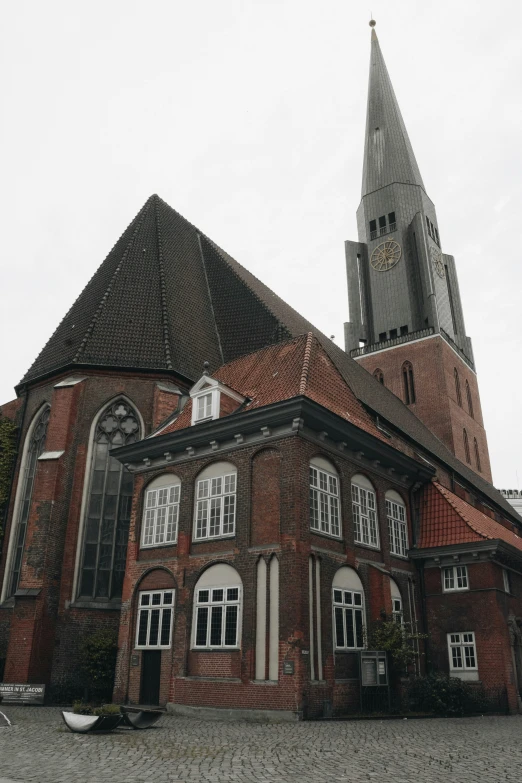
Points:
[[372, 22]]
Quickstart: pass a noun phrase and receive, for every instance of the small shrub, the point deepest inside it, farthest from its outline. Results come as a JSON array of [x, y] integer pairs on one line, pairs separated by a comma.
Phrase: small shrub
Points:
[[80, 708], [399, 640], [98, 661], [437, 693]]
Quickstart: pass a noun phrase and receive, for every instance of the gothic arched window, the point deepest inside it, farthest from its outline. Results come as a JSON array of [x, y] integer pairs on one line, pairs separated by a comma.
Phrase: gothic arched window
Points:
[[409, 385], [469, 400], [108, 507], [379, 376], [477, 455], [33, 448], [457, 386], [466, 446]]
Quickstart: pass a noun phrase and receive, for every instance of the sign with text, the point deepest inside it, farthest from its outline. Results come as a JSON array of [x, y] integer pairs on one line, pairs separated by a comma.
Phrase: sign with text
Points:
[[22, 693]]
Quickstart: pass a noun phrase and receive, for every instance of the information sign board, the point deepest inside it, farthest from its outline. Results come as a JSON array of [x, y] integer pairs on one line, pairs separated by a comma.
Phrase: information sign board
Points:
[[21, 693]]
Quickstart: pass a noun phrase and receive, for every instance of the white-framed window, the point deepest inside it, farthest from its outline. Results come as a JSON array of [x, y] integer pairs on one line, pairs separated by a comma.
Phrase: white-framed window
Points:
[[161, 513], [324, 499], [397, 524], [155, 615], [396, 599], [364, 510], [506, 580], [203, 405], [215, 505], [217, 616], [455, 578], [348, 608], [462, 651], [397, 613]]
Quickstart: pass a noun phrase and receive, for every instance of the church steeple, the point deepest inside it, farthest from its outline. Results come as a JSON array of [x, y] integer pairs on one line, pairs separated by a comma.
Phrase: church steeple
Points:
[[388, 154], [406, 322]]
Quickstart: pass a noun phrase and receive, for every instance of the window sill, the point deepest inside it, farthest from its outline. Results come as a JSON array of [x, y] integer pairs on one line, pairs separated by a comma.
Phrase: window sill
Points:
[[368, 546], [148, 547], [322, 533], [467, 675], [399, 557], [103, 605], [212, 538], [340, 650], [152, 647], [456, 590], [215, 649]]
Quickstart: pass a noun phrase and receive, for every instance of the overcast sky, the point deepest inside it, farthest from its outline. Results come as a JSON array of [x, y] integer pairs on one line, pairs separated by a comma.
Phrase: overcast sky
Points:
[[248, 118]]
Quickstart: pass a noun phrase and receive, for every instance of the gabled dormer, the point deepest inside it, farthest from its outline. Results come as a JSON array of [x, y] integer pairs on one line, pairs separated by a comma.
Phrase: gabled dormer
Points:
[[212, 399]]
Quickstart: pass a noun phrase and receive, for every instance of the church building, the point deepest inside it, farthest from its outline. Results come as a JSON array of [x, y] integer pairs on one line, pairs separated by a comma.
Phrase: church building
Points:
[[205, 474]]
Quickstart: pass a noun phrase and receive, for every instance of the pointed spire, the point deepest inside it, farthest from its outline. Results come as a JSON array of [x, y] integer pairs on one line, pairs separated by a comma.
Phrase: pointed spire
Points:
[[388, 154]]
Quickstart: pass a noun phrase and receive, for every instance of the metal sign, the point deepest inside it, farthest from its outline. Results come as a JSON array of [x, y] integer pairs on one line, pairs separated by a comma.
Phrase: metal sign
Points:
[[21, 693], [288, 667], [374, 669]]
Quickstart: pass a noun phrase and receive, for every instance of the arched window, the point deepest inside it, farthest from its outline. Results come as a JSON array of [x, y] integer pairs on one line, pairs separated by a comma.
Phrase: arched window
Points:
[[108, 506], [457, 386], [348, 610], [469, 400], [215, 513], [34, 446], [161, 511], [324, 497], [397, 523], [396, 598], [364, 510], [466, 446], [379, 376], [477, 455], [408, 383], [217, 608]]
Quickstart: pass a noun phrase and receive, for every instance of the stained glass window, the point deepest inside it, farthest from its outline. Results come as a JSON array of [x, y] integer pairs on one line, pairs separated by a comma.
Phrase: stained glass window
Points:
[[109, 506], [34, 449]]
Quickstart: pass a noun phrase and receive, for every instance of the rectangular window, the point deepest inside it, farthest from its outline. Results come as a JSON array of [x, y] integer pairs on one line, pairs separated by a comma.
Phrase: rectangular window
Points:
[[506, 580], [382, 337], [364, 516], [160, 519], [348, 607], [397, 612], [397, 528], [373, 229], [393, 334], [462, 651], [324, 502], [217, 617], [391, 221], [428, 224], [455, 578], [155, 615], [203, 407], [382, 225], [404, 330], [216, 507]]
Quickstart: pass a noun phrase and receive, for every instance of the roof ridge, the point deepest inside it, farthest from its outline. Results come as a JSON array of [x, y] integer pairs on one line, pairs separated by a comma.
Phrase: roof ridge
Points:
[[116, 272], [166, 335], [306, 363]]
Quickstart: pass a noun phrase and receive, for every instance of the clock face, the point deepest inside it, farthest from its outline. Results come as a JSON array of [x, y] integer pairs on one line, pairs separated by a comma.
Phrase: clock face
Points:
[[436, 258], [385, 256]]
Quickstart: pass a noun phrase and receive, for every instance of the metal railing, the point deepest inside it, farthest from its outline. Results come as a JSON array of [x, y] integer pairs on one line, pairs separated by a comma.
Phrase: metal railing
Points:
[[399, 340], [382, 231]]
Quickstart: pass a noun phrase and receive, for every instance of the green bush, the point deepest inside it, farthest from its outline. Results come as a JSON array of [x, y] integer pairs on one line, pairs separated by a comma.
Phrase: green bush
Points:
[[98, 659], [437, 693], [80, 708]]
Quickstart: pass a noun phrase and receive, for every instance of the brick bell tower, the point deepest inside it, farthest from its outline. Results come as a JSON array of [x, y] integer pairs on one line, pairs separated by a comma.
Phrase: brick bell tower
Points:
[[406, 322]]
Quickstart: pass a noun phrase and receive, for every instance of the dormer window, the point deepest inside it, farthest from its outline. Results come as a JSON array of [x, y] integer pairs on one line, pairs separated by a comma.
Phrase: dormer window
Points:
[[204, 407], [212, 399]]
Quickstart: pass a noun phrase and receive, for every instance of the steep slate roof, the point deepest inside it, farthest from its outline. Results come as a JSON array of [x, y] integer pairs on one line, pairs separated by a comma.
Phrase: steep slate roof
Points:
[[292, 368], [388, 154], [168, 298], [447, 520]]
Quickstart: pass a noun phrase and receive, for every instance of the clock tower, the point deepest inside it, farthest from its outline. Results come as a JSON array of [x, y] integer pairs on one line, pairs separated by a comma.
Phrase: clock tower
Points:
[[406, 322]]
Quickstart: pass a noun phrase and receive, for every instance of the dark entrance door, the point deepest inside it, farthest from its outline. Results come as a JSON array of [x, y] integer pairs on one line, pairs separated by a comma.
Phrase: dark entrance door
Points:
[[150, 677]]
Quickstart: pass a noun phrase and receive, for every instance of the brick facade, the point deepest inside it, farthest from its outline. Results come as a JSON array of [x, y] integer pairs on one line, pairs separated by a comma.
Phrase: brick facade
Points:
[[436, 402]]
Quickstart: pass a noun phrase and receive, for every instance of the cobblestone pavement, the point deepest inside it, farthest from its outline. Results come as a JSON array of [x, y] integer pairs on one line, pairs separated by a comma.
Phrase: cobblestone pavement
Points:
[[39, 748]]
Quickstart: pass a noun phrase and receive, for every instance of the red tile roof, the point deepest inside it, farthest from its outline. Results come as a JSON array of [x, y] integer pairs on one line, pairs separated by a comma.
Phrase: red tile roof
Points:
[[447, 520], [296, 367]]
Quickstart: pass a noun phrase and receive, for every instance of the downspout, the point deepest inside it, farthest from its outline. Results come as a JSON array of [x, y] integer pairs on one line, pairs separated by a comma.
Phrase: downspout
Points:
[[411, 586]]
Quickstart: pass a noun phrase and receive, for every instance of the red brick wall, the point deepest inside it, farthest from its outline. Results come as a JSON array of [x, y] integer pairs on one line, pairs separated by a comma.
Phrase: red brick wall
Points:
[[436, 403], [266, 497]]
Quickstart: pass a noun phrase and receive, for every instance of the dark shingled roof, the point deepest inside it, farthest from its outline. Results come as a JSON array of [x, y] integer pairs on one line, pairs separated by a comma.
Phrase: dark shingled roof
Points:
[[168, 298]]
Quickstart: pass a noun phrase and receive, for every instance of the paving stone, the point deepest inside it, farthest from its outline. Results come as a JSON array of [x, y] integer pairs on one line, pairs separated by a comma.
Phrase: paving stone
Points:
[[39, 749]]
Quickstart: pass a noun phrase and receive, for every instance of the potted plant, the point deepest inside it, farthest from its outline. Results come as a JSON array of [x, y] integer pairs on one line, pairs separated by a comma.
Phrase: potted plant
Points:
[[84, 717]]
